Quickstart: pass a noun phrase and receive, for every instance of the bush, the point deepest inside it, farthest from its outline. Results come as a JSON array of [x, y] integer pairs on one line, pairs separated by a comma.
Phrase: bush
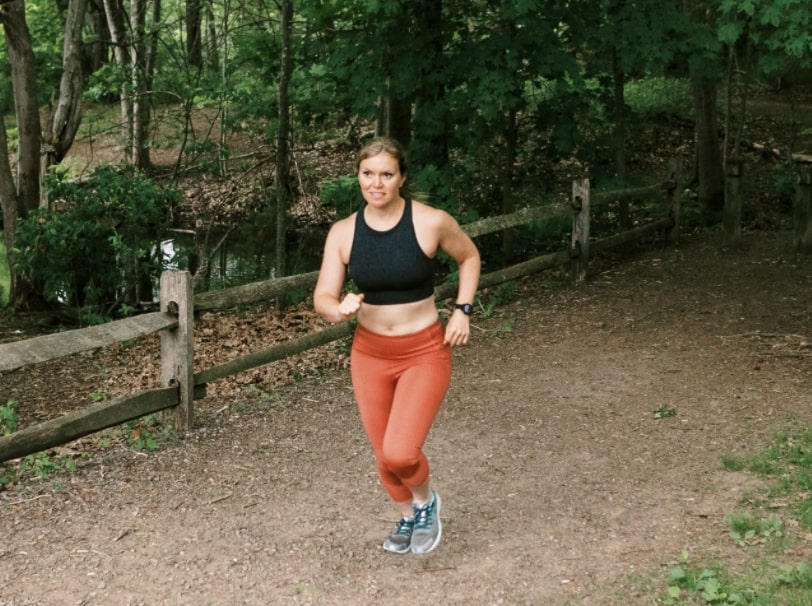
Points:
[[98, 240]]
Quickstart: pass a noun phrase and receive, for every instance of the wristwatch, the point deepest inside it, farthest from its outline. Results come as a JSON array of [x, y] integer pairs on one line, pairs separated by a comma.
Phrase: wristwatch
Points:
[[466, 308]]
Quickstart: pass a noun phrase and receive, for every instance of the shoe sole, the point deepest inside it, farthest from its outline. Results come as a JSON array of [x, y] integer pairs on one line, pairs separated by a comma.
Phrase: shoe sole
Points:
[[439, 531], [405, 550]]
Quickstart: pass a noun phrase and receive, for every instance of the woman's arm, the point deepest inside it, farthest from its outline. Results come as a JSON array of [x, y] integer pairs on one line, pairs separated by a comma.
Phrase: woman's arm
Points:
[[332, 275], [462, 249]]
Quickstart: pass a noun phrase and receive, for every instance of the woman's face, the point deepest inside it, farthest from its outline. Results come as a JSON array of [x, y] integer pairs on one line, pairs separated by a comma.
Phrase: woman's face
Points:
[[380, 179]]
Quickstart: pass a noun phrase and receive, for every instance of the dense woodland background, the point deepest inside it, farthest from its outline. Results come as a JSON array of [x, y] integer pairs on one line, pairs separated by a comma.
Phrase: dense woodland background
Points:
[[127, 122]]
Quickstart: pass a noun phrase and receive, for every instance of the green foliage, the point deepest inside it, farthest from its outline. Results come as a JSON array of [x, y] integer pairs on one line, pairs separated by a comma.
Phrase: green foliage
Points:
[[664, 412], [710, 584], [342, 194], [789, 458], [46, 27], [747, 530], [691, 583], [488, 301], [147, 433], [5, 275], [106, 83], [6, 91], [433, 185], [40, 465], [656, 97], [98, 239], [778, 29], [784, 182], [8, 418], [798, 576], [43, 465], [8, 425]]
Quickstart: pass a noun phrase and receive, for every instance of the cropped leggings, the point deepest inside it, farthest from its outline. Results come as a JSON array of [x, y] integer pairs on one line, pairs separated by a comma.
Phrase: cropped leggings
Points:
[[400, 383]]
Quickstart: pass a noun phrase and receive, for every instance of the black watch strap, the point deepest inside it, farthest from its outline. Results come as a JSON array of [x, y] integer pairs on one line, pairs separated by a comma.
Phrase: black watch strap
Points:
[[466, 308]]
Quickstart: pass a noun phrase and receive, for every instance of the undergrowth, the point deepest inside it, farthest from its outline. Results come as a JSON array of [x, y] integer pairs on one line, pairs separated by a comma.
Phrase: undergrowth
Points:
[[775, 572], [144, 434]]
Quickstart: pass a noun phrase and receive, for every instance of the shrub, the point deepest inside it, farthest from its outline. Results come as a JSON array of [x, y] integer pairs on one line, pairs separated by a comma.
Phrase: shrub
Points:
[[98, 240]]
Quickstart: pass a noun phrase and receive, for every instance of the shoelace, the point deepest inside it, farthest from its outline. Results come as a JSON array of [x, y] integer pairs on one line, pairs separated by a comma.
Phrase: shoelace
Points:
[[405, 527], [422, 516]]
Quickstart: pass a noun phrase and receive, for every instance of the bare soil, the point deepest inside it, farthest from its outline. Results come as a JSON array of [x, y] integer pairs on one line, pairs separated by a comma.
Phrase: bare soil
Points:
[[560, 485]]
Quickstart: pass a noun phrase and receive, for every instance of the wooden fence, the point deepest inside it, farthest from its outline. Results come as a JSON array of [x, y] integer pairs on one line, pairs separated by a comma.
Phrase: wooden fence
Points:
[[181, 385]]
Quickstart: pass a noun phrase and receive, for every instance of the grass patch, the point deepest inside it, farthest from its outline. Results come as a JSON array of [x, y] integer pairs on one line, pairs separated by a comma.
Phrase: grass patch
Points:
[[657, 97], [778, 569], [144, 434], [788, 461]]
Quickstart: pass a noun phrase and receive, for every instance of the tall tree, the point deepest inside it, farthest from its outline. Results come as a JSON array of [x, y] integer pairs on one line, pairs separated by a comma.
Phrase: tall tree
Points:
[[623, 41], [140, 83], [25, 197], [705, 72], [117, 24], [283, 136], [66, 117], [194, 38]]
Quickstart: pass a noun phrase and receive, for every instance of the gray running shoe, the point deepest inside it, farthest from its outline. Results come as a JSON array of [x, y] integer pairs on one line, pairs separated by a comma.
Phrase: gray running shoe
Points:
[[400, 541], [427, 526]]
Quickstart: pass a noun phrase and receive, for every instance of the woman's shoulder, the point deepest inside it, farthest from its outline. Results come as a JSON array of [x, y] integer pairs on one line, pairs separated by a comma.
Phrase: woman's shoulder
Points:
[[345, 224], [342, 231], [427, 211], [429, 215]]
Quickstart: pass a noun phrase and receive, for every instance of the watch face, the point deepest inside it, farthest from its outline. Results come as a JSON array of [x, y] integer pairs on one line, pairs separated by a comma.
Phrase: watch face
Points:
[[466, 308]]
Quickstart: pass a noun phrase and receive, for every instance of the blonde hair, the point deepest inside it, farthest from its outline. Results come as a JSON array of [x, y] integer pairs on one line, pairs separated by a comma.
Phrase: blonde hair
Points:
[[383, 145], [388, 145]]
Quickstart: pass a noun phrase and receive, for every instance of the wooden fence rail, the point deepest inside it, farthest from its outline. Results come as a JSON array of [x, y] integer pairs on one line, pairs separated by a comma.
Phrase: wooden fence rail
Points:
[[174, 321]]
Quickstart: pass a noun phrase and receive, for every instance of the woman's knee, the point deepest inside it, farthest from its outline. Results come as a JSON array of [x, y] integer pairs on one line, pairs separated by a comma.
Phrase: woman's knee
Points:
[[403, 464]]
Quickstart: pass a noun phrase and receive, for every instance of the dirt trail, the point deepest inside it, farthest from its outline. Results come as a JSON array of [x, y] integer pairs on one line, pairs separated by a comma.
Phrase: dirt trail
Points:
[[559, 484]]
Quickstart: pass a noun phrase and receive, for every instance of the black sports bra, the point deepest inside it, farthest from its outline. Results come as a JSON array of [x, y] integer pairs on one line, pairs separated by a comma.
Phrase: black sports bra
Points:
[[389, 267]]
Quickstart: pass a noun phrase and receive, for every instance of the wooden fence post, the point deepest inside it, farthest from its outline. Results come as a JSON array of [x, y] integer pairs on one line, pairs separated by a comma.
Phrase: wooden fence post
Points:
[[177, 345], [673, 199], [733, 201], [580, 229], [802, 214]]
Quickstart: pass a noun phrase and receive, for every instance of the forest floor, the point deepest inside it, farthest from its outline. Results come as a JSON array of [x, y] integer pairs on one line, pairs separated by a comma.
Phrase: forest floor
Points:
[[579, 453], [560, 484]]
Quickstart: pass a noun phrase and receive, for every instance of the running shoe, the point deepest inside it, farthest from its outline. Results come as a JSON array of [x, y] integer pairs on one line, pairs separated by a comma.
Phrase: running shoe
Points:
[[400, 541], [427, 526]]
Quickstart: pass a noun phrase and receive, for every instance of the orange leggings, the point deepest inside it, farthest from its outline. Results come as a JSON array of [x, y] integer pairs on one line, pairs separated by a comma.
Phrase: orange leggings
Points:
[[400, 383]]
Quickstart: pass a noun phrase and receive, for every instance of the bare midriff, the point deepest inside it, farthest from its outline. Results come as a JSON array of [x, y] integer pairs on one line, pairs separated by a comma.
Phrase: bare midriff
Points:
[[398, 319]]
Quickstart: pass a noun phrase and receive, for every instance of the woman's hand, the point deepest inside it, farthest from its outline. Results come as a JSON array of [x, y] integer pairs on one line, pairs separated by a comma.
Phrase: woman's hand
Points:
[[349, 306], [458, 328]]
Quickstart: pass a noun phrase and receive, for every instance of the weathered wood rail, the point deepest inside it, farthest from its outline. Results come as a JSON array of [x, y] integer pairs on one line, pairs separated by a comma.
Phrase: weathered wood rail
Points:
[[174, 321]]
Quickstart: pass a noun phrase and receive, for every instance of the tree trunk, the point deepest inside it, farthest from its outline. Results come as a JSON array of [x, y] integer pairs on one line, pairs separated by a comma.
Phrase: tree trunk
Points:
[[8, 201], [63, 123], [212, 54], [24, 83], [116, 20], [430, 126], [711, 193], [145, 109], [96, 52], [506, 171], [194, 39], [283, 138], [140, 149], [18, 202], [619, 78], [396, 119]]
